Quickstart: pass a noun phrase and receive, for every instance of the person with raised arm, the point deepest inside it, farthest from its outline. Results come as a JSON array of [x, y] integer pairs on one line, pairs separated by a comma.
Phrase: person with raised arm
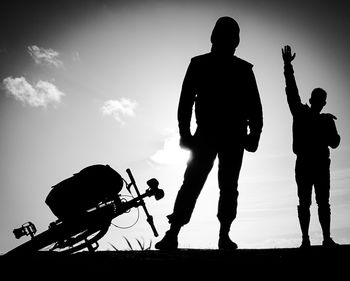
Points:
[[313, 134]]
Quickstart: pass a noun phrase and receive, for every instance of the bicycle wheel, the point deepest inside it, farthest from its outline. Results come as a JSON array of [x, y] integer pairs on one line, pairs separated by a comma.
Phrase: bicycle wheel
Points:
[[85, 239], [63, 237], [38, 242]]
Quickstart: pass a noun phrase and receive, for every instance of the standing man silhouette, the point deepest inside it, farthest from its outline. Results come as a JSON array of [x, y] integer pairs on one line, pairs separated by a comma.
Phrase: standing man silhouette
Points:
[[313, 133], [229, 119]]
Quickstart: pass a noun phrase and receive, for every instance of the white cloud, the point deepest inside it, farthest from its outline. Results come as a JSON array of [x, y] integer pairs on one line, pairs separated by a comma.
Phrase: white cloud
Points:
[[171, 153], [45, 56], [42, 94], [119, 109]]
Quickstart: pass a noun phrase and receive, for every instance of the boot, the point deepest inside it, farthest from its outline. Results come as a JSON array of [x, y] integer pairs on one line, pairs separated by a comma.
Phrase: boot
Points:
[[304, 221], [305, 243], [169, 241], [324, 216], [329, 243], [225, 243]]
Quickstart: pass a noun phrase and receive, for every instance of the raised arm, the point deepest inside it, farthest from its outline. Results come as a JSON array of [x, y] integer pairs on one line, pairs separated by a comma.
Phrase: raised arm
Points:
[[292, 92]]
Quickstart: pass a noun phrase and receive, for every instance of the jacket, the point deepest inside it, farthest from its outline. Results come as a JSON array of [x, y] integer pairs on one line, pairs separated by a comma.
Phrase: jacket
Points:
[[313, 133], [224, 92]]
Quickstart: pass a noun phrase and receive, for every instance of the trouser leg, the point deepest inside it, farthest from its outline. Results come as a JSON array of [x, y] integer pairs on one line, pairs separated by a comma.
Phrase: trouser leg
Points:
[[303, 176], [322, 190], [230, 162], [195, 176], [304, 221], [324, 216]]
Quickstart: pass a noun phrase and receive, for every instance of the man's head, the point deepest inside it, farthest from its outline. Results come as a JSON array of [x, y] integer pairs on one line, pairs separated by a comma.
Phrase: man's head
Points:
[[225, 35], [318, 99]]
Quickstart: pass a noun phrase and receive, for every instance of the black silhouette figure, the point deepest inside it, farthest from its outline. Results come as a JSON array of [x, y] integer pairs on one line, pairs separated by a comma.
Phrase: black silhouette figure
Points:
[[229, 119], [313, 133]]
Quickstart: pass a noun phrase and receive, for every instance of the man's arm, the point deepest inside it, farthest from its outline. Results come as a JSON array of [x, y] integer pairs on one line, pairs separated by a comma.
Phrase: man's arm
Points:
[[255, 119], [332, 136], [292, 92], [186, 102]]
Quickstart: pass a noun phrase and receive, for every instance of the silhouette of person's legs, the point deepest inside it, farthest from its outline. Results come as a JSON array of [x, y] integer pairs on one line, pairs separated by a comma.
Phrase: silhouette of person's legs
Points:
[[304, 222], [195, 177], [230, 162], [322, 187], [322, 192], [196, 173], [303, 177], [314, 173]]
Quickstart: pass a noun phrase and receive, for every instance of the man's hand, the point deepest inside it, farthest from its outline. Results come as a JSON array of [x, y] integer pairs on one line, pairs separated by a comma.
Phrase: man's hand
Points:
[[287, 54], [186, 141], [252, 142]]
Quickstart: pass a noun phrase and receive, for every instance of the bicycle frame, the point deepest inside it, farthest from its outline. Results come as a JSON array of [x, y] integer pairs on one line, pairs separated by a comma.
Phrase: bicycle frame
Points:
[[71, 232]]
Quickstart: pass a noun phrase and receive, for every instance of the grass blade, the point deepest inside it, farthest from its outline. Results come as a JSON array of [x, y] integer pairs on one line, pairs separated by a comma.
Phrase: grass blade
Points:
[[115, 248], [141, 245], [127, 241]]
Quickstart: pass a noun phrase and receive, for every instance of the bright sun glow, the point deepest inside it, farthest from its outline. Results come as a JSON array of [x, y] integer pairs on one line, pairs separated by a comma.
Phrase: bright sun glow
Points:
[[171, 154]]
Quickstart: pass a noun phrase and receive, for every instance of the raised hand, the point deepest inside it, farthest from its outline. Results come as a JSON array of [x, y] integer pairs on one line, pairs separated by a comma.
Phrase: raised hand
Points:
[[287, 54]]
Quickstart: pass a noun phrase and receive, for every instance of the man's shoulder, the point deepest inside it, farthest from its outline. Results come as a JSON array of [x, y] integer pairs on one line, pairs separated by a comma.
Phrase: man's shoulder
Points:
[[207, 57], [305, 108], [328, 116], [201, 58], [242, 62], [302, 112]]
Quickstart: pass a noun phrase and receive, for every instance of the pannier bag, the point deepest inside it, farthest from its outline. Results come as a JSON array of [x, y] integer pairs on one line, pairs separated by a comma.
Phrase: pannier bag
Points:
[[83, 191]]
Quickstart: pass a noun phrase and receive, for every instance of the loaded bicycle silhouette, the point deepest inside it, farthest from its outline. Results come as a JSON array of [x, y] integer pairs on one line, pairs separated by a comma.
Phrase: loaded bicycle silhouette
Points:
[[85, 205]]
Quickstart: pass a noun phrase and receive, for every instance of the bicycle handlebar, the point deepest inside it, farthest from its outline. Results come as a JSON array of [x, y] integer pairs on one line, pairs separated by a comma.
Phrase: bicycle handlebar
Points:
[[142, 203]]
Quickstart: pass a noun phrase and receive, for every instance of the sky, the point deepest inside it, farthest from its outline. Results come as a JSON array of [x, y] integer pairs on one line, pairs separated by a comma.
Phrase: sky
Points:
[[98, 82]]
